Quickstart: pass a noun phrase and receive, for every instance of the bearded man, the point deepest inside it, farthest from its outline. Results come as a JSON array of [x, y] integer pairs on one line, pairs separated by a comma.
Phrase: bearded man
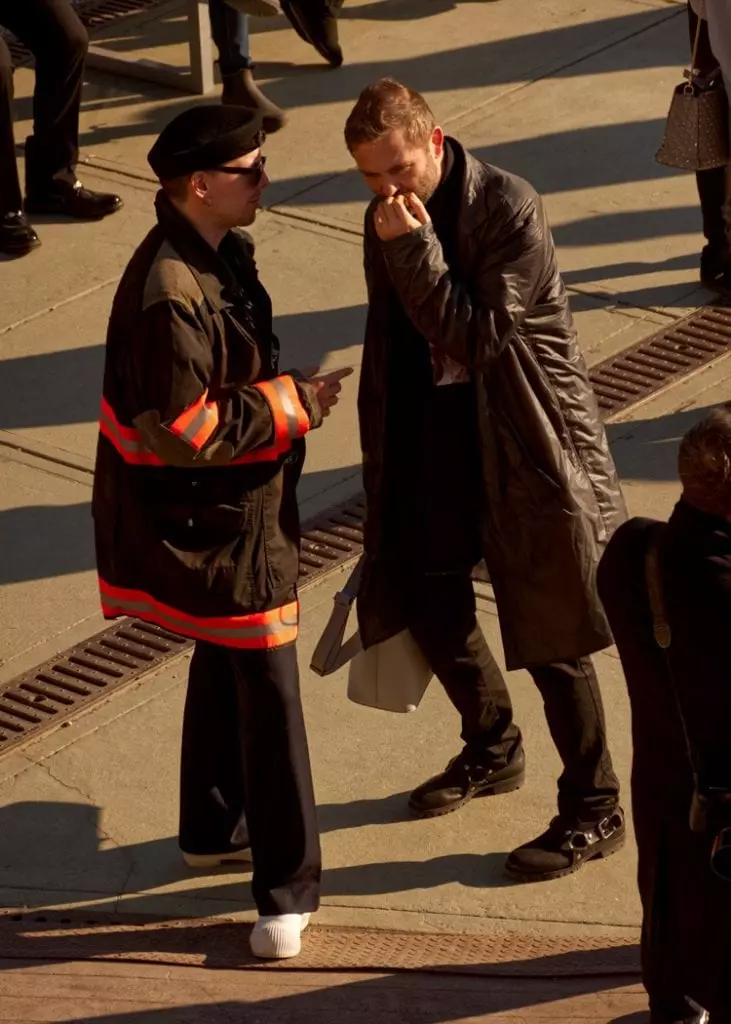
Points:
[[481, 439]]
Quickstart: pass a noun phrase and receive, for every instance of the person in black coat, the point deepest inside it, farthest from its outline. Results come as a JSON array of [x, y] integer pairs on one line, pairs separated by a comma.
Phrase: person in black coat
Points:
[[681, 724], [53, 33], [715, 268]]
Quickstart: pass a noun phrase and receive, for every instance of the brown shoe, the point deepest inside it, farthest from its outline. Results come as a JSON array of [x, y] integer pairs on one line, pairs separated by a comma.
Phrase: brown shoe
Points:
[[240, 90]]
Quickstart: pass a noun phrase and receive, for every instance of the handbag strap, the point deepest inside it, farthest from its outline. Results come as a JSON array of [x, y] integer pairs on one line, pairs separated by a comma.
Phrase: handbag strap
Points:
[[660, 625], [331, 653], [696, 41], [349, 592]]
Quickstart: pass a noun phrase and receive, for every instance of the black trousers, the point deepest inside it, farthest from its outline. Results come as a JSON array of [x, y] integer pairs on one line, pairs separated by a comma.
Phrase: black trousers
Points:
[[245, 749], [53, 33], [711, 184], [442, 619]]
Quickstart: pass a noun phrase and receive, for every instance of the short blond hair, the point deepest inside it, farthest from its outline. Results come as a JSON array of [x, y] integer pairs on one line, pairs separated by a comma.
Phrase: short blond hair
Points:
[[385, 106]]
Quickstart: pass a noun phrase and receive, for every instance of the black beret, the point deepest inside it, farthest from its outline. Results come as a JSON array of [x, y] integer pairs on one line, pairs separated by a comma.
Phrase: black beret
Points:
[[205, 137]]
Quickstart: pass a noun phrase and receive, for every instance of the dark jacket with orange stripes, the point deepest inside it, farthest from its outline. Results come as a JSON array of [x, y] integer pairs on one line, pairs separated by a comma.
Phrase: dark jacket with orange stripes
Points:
[[200, 445]]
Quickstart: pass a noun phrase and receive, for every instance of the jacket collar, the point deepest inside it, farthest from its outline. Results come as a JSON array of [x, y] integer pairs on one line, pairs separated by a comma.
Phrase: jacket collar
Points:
[[690, 519], [213, 274]]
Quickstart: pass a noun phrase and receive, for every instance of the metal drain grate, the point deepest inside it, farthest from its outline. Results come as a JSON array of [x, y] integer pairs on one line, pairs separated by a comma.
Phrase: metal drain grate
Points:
[[332, 539], [93, 13], [664, 358], [52, 692], [72, 681]]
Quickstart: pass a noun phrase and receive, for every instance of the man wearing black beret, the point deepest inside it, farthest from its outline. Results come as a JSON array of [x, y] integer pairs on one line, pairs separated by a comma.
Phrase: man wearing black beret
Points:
[[200, 449]]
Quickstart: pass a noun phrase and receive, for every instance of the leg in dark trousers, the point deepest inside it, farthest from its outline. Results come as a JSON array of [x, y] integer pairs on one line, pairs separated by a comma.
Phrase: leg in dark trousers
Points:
[[54, 34], [212, 767], [244, 715], [224, 29], [588, 789], [10, 195], [442, 618], [237, 68], [711, 184]]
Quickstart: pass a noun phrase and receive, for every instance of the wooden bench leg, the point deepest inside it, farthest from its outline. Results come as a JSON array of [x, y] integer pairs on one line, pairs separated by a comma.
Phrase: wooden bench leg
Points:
[[199, 79]]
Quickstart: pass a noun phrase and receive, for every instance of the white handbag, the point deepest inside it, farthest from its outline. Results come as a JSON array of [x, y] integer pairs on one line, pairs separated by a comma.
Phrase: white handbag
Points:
[[390, 676]]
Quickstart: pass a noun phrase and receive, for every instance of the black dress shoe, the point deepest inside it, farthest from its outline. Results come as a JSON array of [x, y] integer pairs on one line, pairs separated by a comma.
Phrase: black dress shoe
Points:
[[318, 27], [566, 846], [73, 201], [17, 237], [466, 777]]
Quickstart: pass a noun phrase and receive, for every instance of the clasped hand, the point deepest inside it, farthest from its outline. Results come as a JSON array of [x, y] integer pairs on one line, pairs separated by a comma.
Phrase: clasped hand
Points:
[[399, 215]]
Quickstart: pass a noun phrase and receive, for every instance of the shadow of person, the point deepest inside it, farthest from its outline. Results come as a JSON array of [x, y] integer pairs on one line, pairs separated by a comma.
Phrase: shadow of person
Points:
[[647, 449], [60, 849], [387, 810], [475, 870]]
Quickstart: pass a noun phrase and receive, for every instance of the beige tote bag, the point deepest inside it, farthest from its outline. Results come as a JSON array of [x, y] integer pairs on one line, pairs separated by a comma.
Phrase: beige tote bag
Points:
[[390, 676]]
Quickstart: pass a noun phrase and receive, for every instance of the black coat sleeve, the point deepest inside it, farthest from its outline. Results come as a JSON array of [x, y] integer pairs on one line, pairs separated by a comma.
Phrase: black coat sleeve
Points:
[[471, 321], [167, 374]]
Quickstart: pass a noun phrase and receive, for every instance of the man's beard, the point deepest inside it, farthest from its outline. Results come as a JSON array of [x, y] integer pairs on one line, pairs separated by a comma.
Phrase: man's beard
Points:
[[429, 181]]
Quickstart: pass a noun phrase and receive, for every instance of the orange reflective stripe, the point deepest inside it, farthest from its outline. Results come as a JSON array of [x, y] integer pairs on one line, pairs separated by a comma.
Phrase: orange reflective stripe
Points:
[[126, 440], [257, 631], [197, 423], [291, 419], [302, 417]]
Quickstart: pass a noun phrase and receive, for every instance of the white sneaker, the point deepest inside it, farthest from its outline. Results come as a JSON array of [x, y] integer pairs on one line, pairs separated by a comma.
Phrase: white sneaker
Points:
[[278, 937], [217, 860]]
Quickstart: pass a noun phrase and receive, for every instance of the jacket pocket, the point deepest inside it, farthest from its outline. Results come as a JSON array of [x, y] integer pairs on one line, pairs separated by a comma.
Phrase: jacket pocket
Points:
[[521, 464]]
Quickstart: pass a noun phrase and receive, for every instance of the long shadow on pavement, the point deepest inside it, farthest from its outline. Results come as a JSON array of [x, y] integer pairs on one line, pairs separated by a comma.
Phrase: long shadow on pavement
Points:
[[32, 833], [647, 449]]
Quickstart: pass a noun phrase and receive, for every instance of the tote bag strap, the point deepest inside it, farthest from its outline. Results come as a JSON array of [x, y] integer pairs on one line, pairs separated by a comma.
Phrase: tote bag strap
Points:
[[331, 653]]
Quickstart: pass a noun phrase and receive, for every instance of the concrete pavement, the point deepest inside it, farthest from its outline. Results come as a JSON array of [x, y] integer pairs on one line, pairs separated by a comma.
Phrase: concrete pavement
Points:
[[104, 993], [572, 97]]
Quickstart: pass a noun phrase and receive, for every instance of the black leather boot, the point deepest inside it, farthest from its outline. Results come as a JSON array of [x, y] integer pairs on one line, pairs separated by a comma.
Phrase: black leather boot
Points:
[[566, 846], [240, 90], [467, 776]]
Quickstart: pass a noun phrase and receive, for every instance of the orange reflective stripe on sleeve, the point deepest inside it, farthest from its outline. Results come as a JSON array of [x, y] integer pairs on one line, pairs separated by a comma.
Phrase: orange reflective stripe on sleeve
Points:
[[291, 419], [257, 631], [126, 440], [197, 423]]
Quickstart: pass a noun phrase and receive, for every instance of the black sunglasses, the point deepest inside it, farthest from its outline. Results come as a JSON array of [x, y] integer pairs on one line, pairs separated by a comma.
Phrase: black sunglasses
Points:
[[256, 171]]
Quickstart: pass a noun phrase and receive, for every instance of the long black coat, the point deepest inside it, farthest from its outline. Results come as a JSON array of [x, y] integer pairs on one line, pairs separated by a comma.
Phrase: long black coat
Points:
[[686, 942], [550, 489]]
